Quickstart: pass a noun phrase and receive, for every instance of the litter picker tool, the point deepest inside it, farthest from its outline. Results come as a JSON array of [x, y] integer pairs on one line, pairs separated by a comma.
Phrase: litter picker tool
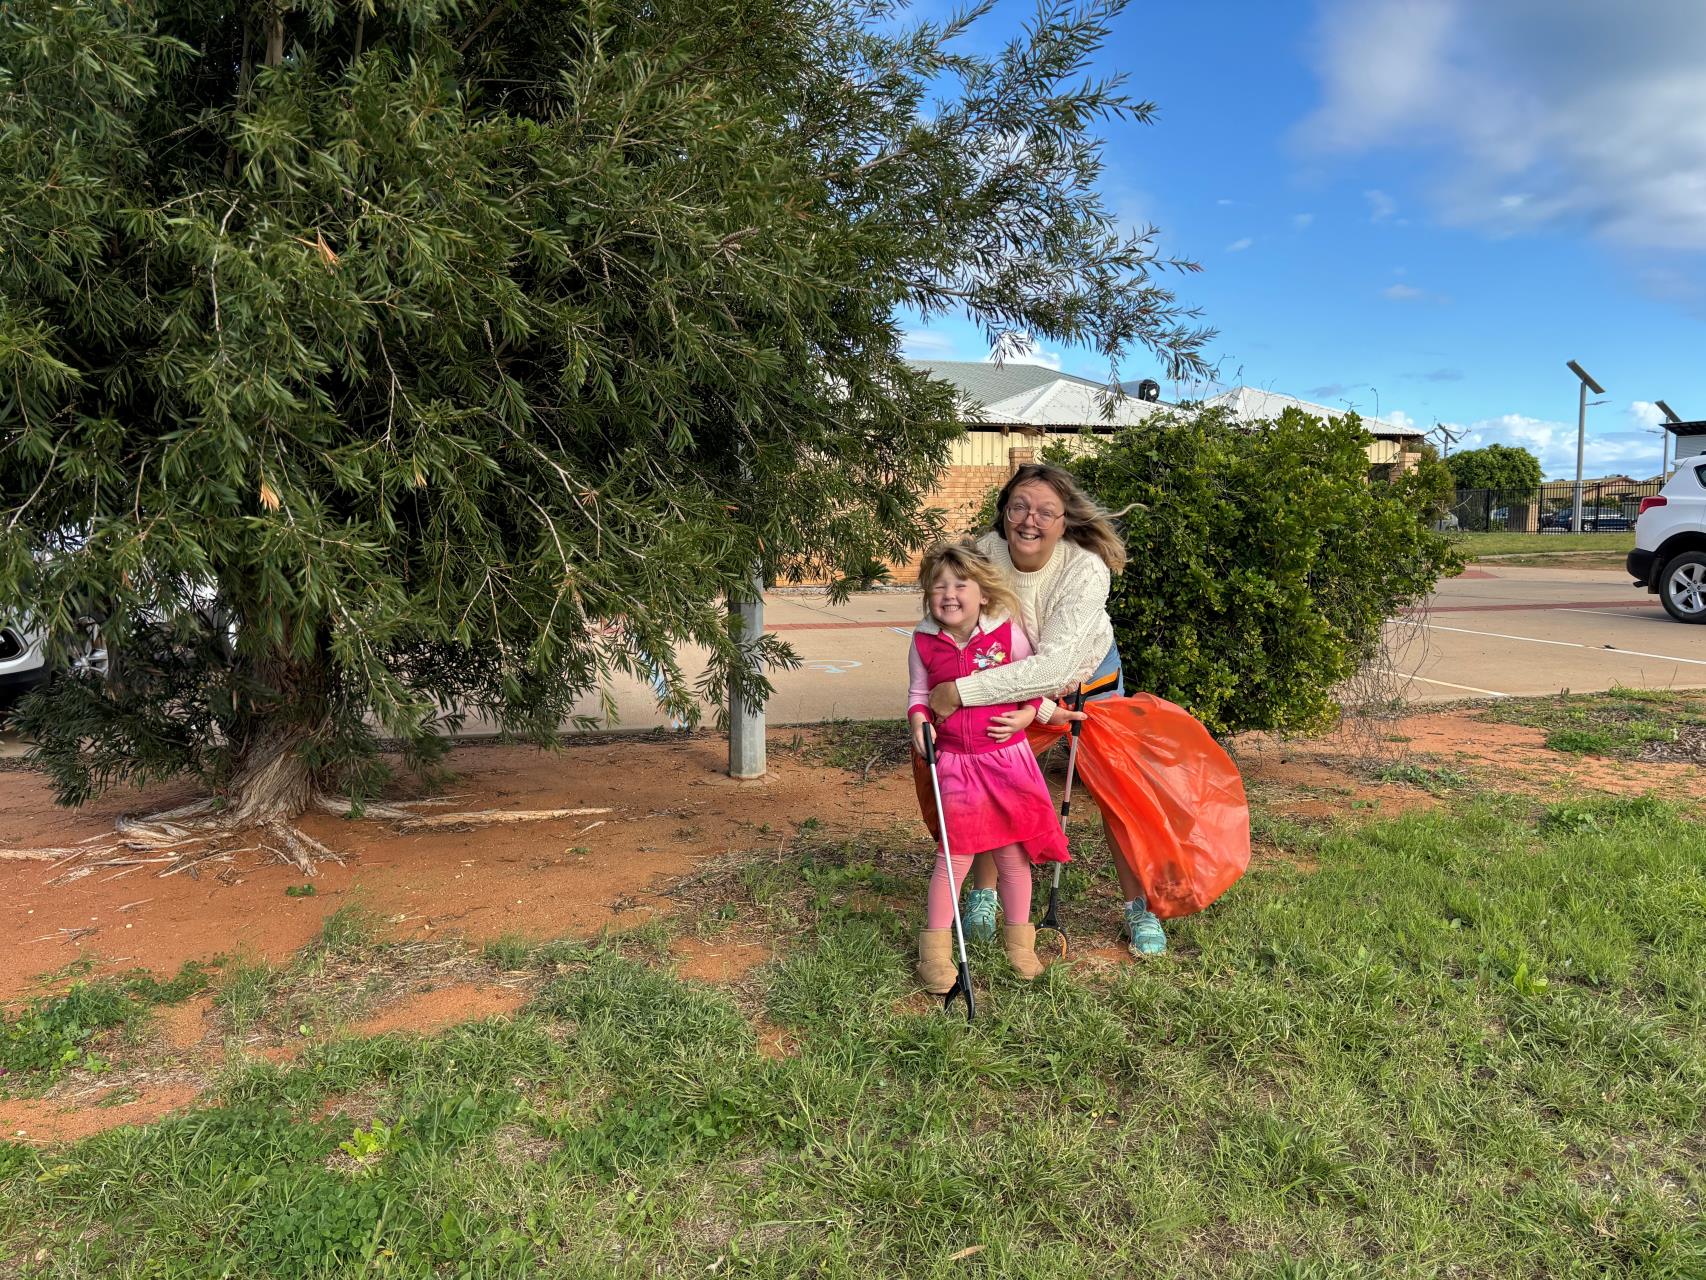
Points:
[[1051, 918], [962, 981]]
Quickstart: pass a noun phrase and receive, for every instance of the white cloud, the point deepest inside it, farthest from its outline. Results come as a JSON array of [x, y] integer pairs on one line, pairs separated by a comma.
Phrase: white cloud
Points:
[[1302, 221], [1380, 205], [1398, 418], [1542, 111], [1239, 245], [928, 344], [1225, 201], [1403, 293], [1645, 414], [1607, 452]]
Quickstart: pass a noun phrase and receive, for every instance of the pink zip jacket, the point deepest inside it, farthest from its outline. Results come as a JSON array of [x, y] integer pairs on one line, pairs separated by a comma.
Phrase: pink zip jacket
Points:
[[936, 658]]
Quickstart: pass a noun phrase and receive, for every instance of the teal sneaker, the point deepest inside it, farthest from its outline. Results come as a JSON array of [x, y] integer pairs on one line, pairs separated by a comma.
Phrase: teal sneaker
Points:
[[1143, 931], [979, 914]]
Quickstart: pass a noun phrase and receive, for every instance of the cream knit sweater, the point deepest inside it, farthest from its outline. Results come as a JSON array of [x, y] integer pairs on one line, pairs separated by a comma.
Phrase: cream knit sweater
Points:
[[1063, 607]]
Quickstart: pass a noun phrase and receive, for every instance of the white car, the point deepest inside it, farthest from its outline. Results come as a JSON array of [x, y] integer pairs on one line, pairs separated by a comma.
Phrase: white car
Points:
[[23, 658], [1670, 543]]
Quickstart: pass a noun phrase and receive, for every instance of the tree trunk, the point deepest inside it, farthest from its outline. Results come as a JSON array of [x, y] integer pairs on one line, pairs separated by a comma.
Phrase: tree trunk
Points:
[[274, 779], [274, 782]]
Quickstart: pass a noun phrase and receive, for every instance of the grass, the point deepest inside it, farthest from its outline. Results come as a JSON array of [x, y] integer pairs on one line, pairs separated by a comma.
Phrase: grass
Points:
[[1468, 1042], [1527, 545], [1434, 779], [78, 1028], [339, 977], [858, 746], [1623, 723]]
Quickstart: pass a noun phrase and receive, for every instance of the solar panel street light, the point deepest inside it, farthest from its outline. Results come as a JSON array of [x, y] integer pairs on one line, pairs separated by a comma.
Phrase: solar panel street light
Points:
[[1581, 437]]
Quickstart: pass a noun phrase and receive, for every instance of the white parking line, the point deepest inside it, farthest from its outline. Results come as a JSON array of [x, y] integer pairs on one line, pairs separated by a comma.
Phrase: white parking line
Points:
[[1568, 644], [1500, 635], [1607, 613], [1446, 684]]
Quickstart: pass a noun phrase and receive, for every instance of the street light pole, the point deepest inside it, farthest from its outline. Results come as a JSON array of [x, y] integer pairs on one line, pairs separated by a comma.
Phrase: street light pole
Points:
[[1581, 437], [1664, 446], [1581, 448]]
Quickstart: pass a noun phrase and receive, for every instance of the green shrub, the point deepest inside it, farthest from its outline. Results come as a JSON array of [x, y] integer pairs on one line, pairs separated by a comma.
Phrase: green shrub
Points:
[[1264, 561]]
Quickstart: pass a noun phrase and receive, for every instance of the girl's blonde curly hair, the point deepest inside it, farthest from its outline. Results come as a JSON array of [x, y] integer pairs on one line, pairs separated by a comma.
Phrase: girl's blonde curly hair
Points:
[[964, 559]]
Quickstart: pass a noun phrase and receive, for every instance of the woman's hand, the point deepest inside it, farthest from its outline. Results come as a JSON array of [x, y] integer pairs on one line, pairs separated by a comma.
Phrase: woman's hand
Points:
[[945, 699], [1008, 723]]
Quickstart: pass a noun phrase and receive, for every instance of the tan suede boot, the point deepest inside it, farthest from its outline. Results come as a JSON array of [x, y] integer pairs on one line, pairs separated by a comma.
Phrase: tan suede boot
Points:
[[1019, 941], [936, 968]]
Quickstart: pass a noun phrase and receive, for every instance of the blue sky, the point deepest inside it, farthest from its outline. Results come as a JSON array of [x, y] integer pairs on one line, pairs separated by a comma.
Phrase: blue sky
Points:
[[1425, 207]]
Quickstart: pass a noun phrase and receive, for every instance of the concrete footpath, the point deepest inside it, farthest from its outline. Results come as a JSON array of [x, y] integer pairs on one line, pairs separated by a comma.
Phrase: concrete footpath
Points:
[[1493, 632]]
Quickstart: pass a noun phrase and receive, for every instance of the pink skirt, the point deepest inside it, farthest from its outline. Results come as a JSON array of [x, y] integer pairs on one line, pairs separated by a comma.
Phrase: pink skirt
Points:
[[996, 798]]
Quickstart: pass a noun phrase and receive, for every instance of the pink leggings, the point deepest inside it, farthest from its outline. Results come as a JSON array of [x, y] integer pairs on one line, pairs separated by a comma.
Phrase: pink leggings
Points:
[[1013, 880]]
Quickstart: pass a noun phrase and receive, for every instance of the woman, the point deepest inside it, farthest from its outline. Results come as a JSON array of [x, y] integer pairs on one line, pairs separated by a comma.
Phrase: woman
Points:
[[1059, 551]]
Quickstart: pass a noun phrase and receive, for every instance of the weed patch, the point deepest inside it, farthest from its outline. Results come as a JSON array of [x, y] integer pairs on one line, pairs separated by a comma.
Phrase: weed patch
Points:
[[860, 746], [66, 1032], [1626, 724]]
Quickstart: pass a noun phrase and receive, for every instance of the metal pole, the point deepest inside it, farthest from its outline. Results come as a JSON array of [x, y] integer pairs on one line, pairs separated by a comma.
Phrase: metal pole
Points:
[[1581, 445], [746, 719]]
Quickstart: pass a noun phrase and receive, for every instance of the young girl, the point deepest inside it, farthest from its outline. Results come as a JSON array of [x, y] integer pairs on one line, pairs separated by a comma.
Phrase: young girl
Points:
[[992, 790]]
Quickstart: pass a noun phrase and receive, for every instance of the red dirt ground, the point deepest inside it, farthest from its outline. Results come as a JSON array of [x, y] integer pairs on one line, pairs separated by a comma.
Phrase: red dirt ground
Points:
[[718, 960], [40, 1121], [672, 808], [1511, 757], [424, 1012]]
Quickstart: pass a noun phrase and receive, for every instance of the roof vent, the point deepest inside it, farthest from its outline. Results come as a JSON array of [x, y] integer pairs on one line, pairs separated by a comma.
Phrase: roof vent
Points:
[[1149, 389]]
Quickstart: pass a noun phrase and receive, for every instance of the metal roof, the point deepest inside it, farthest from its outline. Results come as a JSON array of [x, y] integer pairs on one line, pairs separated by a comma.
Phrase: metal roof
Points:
[[1697, 428], [986, 383], [1029, 395], [1252, 404]]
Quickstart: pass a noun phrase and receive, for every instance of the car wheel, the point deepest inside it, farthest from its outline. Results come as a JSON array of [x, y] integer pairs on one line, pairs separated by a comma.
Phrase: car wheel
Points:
[[1682, 586], [87, 657]]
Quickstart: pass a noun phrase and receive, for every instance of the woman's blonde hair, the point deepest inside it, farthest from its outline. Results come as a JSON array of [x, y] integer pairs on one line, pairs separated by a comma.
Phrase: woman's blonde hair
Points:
[[964, 559], [1087, 523]]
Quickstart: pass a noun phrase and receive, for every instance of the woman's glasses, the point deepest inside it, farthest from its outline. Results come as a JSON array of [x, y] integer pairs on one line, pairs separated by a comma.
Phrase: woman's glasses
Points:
[[1019, 512]]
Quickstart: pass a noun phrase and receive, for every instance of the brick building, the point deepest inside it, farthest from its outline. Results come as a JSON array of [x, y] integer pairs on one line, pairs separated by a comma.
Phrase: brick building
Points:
[[1023, 407]]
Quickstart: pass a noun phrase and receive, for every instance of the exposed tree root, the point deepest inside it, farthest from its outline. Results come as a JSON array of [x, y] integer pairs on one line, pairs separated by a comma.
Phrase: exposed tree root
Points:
[[36, 855], [198, 833]]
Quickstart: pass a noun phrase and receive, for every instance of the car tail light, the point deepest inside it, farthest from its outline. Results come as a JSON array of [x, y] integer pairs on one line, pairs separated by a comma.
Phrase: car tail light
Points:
[[1648, 503]]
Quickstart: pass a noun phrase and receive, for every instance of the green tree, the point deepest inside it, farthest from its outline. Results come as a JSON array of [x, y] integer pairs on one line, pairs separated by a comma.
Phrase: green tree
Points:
[[1265, 562], [1432, 478], [367, 365], [1495, 466]]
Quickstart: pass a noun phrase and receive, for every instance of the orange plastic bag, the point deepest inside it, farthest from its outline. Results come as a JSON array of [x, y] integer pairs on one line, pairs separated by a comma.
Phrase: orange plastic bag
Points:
[[1173, 800]]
